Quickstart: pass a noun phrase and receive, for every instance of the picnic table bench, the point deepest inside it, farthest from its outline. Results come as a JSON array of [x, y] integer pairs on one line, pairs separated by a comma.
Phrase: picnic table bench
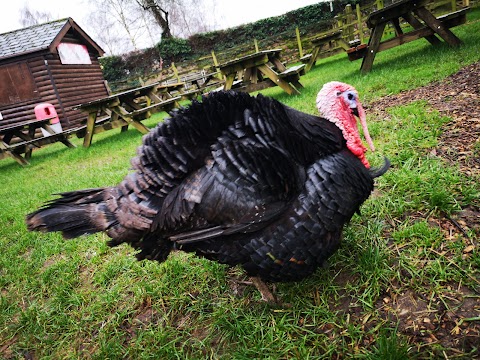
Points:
[[166, 91], [261, 70], [130, 107], [196, 85], [189, 88], [413, 12], [201, 81], [24, 140], [325, 45]]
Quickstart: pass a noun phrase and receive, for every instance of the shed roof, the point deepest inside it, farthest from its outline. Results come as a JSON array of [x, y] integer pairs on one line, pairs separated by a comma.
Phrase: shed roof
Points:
[[40, 37]]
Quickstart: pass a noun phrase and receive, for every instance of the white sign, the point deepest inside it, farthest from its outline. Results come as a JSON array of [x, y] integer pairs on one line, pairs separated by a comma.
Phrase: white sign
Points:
[[73, 54]]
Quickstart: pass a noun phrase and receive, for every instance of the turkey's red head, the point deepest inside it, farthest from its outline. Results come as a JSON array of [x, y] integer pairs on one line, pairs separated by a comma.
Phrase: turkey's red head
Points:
[[339, 103]]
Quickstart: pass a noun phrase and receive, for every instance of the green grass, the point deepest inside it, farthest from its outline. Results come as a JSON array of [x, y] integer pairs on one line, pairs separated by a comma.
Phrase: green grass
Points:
[[81, 299]]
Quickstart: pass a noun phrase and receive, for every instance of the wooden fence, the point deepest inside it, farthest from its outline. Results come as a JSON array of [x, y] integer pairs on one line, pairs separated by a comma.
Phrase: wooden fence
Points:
[[352, 21]]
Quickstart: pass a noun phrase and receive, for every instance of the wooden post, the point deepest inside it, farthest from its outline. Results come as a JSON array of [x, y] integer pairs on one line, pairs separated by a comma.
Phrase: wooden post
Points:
[[373, 44], [446, 34], [107, 86], [215, 63], [454, 5], [272, 75], [299, 41], [348, 33], [256, 45], [360, 23], [175, 71], [92, 117], [214, 57], [339, 22]]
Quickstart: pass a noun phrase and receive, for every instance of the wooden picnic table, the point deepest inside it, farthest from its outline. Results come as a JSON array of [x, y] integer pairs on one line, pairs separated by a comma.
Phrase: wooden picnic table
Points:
[[261, 70], [325, 45], [189, 88], [197, 85], [201, 81], [24, 141], [130, 107], [424, 24], [166, 91]]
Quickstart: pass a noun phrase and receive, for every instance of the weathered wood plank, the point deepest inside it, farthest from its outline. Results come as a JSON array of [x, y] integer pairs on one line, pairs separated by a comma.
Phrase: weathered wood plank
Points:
[[125, 115], [406, 38], [6, 152], [272, 75], [393, 11], [373, 45], [234, 68], [298, 69], [22, 147], [265, 84], [306, 58], [25, 147], [229, 81], [164, 105], [90, 129], [423, 32], [412, 20], [438, 26], [115, 124]]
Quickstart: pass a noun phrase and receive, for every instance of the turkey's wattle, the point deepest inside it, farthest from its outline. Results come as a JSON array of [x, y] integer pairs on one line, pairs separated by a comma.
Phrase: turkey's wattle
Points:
[[237, 179]]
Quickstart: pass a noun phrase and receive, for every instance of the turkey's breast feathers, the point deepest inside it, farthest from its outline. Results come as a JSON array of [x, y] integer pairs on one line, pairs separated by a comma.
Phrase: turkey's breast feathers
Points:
[[224, 160]]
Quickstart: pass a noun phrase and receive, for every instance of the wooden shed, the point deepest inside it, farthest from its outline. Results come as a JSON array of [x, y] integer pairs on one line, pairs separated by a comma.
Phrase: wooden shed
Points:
[[55, 63]]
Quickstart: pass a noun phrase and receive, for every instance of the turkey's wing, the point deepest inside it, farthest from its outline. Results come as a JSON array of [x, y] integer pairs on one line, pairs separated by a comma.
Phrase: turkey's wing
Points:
[[247, 182]]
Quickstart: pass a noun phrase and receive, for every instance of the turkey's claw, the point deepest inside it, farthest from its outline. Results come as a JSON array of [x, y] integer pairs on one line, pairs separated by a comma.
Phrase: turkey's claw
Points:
[[267, 295]]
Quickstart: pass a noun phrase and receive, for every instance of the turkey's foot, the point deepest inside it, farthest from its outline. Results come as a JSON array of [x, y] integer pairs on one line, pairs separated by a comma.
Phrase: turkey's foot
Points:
[[267, 295]]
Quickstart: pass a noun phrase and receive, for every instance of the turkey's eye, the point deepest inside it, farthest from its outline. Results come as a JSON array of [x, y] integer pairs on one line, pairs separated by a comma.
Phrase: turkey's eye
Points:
[[339, 93], [350, 98]]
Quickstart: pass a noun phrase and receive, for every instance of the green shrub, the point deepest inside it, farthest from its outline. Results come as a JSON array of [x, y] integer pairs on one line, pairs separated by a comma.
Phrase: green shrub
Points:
[[174, 49], [113, 67]]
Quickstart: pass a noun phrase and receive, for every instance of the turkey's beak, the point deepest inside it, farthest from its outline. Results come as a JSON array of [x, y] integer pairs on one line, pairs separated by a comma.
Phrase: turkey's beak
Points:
[[360, 113]]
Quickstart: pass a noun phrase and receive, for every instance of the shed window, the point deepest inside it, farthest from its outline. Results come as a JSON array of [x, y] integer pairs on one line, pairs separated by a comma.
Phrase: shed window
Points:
[[73, 54], [17, 84]]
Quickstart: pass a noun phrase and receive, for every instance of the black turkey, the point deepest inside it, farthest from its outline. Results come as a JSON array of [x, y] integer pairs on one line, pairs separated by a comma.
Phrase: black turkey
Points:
[[237, 179]]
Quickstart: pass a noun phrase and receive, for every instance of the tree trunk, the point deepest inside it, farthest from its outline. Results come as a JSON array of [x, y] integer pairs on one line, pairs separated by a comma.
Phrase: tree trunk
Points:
[[160, 15]]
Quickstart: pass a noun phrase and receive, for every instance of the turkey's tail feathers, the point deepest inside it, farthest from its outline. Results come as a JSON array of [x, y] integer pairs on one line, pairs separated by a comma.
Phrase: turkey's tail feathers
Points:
[[75, 213], [379, 171]]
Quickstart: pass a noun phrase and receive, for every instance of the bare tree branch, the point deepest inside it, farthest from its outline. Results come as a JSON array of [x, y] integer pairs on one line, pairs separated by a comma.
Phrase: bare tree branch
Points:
[[160, 15], [29, 17], [121, 25]]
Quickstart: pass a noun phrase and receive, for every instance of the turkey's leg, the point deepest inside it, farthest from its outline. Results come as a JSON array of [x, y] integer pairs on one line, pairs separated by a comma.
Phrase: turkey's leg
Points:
[[267, 295]]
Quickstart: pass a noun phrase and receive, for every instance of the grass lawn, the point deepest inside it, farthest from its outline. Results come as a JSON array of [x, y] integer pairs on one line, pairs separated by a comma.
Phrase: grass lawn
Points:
[[401, 285]]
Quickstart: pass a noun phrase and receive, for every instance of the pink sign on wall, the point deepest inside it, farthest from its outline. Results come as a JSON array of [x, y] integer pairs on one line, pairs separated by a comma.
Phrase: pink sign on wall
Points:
[[73, 54]]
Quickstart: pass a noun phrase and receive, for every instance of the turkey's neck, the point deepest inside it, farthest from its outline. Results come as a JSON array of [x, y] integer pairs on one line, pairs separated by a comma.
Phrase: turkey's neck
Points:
[[347, 123]]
